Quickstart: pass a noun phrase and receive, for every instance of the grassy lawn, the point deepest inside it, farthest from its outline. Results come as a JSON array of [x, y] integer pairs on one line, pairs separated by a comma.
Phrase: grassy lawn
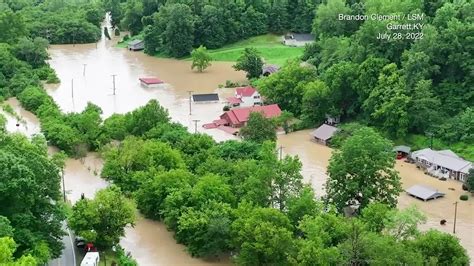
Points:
[[269, 46], [417, 142]]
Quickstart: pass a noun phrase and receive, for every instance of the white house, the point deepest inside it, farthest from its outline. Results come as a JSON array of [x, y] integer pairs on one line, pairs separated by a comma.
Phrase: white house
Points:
[[443, 163], [249, 96]]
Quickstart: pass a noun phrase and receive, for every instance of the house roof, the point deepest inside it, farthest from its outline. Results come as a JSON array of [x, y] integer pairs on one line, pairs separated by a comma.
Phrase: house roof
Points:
[[424, 192], [149, 81], [135, 42], [444, 158], [241, 115], [245, 91], [234, 100], [324, 132], [205, 97], [402, 148]]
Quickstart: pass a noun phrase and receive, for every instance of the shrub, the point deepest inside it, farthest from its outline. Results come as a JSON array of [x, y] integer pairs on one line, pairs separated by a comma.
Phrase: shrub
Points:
[[226, 108], [464, 197], [117, 32], [126, 37]]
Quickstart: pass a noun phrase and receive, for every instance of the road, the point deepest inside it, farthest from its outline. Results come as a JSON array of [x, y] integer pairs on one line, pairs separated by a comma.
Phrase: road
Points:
[[68, 257]]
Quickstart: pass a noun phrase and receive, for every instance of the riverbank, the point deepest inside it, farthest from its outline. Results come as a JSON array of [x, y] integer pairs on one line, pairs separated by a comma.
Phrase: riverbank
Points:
[[269, 46]]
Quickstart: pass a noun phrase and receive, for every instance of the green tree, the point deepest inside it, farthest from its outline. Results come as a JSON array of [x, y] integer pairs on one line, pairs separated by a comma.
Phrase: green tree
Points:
[[32, 51], [315, 103], [106, 216], [176, 24], [29, 194], [403, 224], [326, 22], [423, 108], [7, 249], [363, 171], [132, 19], [375, 216], [441, 248], [287, 86], [262, 236], [201, 59], [206, 231], [151, 196], [302, 204], [131, 164], [210, 31], [258, 128], [251, 62]]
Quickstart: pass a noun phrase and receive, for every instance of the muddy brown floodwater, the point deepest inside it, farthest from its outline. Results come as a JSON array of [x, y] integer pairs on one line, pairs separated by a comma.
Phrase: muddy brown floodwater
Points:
[[315, 159], [149, 241]]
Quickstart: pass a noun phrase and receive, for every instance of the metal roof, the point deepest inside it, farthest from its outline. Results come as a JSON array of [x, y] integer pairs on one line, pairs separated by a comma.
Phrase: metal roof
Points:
[[402, 148], [135, 42], [444, 158], [324, 132], [424, 193], [208, 97]]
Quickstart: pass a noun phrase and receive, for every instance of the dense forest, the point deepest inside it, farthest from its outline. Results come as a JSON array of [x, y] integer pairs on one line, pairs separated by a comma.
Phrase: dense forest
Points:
[[176, 26], [238, 197]]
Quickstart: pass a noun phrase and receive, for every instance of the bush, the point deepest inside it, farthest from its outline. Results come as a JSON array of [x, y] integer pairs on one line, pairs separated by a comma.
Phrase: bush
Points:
[[52, 78], [226, 108], [117, 32], [126, 38], [464, 197]]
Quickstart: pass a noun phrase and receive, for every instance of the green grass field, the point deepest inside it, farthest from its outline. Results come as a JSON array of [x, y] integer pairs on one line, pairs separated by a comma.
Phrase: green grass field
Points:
[[269, 46]]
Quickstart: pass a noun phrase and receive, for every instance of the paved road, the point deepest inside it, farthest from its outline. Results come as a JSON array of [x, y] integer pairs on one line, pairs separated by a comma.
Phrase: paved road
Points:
[[68, 257]]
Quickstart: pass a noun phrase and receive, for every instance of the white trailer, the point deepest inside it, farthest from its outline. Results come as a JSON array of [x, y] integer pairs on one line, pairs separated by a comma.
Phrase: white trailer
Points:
[[91, 259]]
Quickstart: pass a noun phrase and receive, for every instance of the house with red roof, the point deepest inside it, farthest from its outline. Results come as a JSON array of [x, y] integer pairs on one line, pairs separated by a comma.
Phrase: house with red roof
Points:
[[248, 96], [238, 117], [150, 82]]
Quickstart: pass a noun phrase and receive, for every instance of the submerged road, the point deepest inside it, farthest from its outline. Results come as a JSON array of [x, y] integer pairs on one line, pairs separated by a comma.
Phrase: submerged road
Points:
[[68, 257]]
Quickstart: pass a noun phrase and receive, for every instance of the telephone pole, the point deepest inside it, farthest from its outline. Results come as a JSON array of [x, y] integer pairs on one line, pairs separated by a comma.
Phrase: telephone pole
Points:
[[281, 151], [72, 88], [195, 125], [113, 80], [455, 216], [190, 94], [84, 70], [64, 185]]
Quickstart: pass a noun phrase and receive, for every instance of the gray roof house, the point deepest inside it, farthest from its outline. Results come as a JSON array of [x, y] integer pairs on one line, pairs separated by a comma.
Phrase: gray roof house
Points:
[[442, 163], [324, 133], [136, 45], [298, 39], [206, 97], [424, 193]]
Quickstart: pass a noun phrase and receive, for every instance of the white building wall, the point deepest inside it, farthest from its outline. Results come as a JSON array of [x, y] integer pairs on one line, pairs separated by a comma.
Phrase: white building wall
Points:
[[255, 99]]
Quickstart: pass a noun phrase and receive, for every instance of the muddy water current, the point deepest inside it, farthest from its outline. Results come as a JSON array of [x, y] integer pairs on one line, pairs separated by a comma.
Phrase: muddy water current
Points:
[[86, 76]]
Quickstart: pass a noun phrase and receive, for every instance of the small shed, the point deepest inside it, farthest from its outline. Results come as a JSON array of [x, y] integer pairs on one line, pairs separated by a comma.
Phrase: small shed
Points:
[[150, 82], [267, 70], [424, 193], [136, 45], [206, 97], [402, 151], [324, 133]]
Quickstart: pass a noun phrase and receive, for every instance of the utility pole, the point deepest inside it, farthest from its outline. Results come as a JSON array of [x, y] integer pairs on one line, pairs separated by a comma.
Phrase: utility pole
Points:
[[195, 125], [455, 216], [84, 70], [281, 152], [72, 88], [113, 80], [64, 186], [190, 93]]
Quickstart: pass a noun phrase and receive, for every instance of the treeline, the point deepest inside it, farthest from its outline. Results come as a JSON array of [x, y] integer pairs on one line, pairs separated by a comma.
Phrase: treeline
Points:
[[176, 26], [402, 87], [59, 22]]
